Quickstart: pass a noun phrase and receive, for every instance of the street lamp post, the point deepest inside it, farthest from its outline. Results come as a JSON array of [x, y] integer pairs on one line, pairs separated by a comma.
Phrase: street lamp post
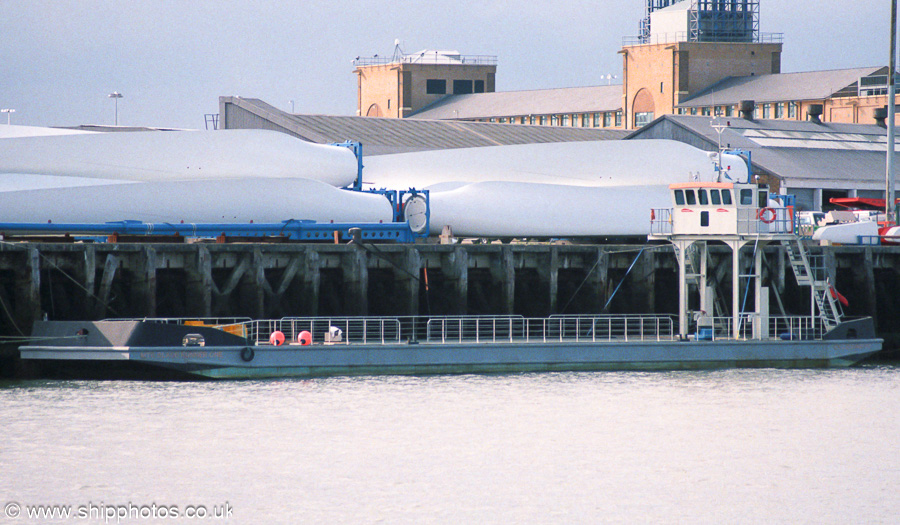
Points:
[[7, 111], [116, 96]]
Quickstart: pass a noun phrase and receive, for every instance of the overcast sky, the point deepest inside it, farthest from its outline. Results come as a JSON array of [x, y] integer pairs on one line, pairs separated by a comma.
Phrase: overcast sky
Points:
[[172, 59]]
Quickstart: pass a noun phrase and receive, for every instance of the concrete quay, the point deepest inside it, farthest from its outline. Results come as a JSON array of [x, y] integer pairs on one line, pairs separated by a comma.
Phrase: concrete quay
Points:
[[103, 280]]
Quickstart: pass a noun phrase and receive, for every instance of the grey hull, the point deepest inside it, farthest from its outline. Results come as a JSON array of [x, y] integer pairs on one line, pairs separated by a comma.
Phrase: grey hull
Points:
[[241, 361]]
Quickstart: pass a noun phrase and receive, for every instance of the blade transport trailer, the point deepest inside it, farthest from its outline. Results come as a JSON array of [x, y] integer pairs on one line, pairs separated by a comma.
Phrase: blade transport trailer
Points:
[[709, 335]]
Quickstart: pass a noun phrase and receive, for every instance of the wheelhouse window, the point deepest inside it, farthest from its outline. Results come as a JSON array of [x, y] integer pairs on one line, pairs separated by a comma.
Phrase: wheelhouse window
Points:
[[690, 197], [679, 197], [714, 197], [704, 200], [746, 197], [726, 197]]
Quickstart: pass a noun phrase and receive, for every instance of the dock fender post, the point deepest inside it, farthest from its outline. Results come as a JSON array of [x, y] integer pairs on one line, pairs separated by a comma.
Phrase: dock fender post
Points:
[[247, 354]]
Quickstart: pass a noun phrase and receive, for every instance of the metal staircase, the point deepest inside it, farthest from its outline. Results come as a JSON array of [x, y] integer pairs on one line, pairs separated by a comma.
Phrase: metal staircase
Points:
[[813, 274]]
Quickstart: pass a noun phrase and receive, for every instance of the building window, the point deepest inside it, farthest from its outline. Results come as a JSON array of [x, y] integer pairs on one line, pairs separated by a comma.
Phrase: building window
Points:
[[729, 111], [543, 120], [607, 119], [565, 120], [642, 118], [479, 86], [462, 87], [693, 111], [792, 110], [779, 110], [596, 120], [765, 110], [585, 120], [389, 103], [705, 112], [436, 86], [660, 87], [531, 120], [618, 118]]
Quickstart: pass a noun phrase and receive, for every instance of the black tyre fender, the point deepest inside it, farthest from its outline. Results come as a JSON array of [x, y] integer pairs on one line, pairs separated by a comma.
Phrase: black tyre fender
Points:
[[247, 354]]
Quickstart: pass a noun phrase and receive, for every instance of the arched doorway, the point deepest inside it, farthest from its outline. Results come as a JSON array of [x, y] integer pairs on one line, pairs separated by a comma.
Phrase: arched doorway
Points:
[[643, 108], [374, 111]]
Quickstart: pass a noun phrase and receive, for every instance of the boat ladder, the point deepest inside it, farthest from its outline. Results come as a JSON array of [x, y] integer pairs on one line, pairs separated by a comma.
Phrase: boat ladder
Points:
[[814, 275]]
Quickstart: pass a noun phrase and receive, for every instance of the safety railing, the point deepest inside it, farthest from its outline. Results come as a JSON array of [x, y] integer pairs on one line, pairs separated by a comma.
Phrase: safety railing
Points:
[[661, 221], [765, 221], [550, 329], [779, 327], [427, 58], [366, 330]]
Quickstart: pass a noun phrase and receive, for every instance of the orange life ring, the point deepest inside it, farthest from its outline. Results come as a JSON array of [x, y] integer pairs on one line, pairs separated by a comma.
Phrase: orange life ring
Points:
[[763, 215]]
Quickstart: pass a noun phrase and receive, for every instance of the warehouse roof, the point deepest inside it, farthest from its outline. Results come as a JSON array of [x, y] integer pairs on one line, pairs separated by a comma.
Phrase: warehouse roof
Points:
[[524, 103], [801, 153], [811, 85], [391, 135]]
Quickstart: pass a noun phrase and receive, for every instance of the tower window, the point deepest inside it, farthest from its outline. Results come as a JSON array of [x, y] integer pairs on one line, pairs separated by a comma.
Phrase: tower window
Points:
[[436, 86], [462, 87]]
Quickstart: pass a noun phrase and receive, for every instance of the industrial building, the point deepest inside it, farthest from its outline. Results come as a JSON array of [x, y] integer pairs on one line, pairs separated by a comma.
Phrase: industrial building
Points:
[[690, 57], [812, 160], [387, 135]]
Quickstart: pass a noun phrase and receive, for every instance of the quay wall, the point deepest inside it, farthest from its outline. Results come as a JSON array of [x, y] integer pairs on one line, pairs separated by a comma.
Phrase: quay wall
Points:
[[108, 280]]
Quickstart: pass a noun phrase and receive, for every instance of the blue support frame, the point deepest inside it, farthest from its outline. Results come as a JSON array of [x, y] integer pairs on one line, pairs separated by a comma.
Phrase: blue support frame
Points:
[[357, 149], [296, 230]]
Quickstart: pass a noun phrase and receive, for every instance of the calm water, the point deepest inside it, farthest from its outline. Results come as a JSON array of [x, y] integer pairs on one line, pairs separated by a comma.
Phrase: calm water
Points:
[[741, 446]]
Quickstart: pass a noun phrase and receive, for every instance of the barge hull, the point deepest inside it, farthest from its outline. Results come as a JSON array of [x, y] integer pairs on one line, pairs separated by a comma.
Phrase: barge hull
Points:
[[425, 359]]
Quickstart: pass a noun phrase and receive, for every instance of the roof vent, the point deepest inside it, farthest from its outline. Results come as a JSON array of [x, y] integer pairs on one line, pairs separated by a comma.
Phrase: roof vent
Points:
[[814, 112], [880, 115], [747, 107]]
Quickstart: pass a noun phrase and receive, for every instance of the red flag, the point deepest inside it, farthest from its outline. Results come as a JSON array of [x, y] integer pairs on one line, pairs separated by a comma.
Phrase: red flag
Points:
[[837, 295]]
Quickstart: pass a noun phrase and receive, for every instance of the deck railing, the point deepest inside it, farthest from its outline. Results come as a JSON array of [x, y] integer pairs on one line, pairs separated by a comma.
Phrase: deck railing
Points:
[[780, 327], [365, 330], [550, 329], [506, 329]]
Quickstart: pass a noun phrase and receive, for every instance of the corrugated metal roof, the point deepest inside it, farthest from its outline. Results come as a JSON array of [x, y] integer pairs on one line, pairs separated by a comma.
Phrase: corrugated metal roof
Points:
[[811, 85], [805, 154], [391, 135], [523, 103]]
